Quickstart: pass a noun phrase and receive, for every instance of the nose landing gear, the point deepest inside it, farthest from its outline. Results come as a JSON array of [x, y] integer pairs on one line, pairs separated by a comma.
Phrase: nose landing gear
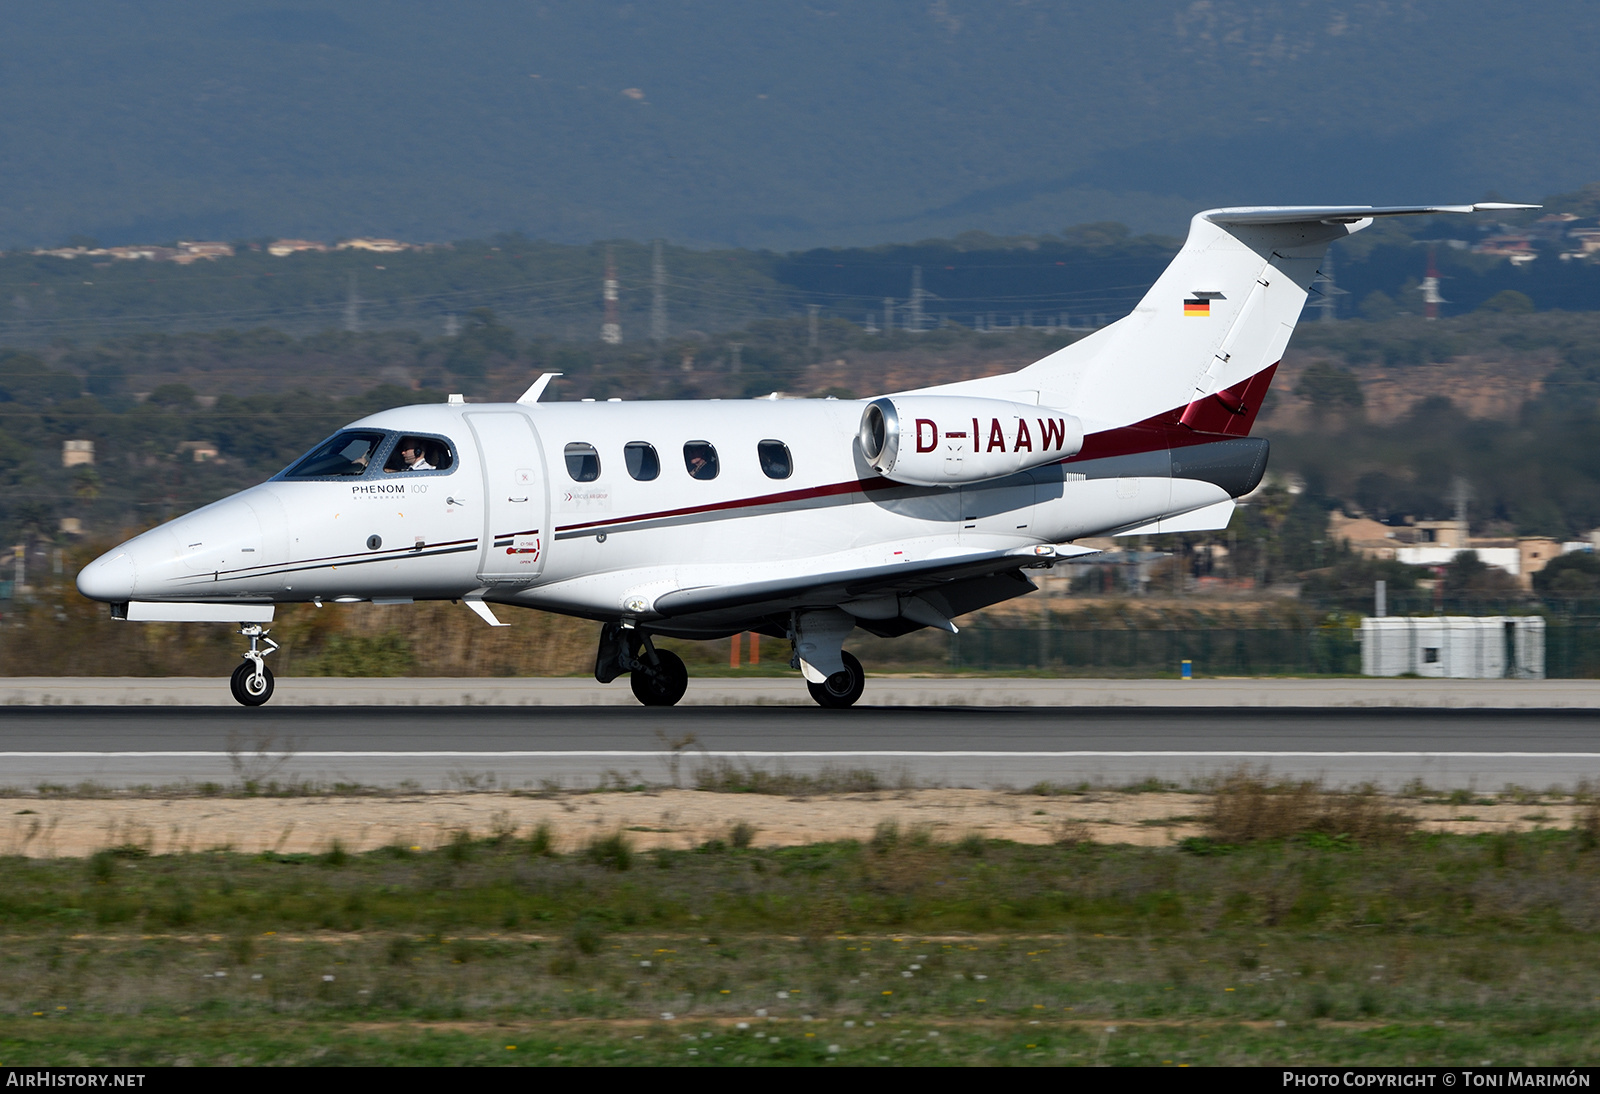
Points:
[[251, 682]]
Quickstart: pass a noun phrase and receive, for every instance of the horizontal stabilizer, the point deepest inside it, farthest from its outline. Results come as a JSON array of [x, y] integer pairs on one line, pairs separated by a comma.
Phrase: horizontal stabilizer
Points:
[[1344, 214]]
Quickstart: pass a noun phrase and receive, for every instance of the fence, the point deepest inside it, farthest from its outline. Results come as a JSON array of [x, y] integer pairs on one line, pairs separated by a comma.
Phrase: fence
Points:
[[1064, 649], [1571, 649]]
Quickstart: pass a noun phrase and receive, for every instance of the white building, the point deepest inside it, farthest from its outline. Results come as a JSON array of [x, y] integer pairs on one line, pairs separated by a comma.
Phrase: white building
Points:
[[1452, 646], [1508, 559]]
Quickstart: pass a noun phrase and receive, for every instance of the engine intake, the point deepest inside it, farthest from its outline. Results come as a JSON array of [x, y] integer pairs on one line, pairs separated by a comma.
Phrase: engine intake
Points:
[[940, 440]]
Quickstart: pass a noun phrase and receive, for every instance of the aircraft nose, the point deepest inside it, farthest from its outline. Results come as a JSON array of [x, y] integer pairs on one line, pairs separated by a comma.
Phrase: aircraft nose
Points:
[[110, 577]]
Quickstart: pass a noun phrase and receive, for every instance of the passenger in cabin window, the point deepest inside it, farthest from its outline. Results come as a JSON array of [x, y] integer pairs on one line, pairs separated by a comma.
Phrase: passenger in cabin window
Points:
[[701, 460]]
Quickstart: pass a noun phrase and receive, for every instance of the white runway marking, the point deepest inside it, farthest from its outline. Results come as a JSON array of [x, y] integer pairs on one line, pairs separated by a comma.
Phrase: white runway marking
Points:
[[741, 754]]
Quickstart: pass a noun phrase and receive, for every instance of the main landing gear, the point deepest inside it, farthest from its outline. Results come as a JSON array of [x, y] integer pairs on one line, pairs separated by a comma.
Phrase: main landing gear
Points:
[[843, 688], [658, 677], [252, 680], [834, 677]]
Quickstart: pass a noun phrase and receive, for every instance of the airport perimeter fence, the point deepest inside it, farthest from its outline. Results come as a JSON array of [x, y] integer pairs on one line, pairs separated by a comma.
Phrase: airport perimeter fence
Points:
[[1108, 651], [1572, 650]]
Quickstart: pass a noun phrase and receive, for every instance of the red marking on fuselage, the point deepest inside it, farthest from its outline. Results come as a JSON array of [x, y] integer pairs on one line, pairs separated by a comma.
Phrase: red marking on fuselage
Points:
[[1052, 433], [1164, 430], [1229, 413], [997, 437], [832, 489]]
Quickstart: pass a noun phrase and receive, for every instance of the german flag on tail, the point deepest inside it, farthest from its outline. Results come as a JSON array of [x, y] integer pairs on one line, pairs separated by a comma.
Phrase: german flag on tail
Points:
[[1198, 307]]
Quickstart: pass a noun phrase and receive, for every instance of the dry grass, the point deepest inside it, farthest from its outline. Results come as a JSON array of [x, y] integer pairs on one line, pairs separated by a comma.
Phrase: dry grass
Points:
[[1588, 825], [1246, 808], [725, 777]]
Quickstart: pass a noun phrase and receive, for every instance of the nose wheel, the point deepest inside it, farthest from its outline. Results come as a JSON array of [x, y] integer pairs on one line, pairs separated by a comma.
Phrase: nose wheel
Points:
[[251, 686], [251, 682]]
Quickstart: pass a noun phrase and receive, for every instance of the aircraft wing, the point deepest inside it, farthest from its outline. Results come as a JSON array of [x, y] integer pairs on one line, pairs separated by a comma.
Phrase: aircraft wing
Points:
[[837, 586]]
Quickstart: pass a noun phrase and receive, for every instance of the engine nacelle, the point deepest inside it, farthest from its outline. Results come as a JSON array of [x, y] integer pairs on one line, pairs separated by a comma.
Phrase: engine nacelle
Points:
[[943, 440]]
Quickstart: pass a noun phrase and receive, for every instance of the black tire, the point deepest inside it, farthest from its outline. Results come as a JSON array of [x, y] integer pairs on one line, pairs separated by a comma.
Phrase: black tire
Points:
[[663, 686], [243, 683], [841, 690]]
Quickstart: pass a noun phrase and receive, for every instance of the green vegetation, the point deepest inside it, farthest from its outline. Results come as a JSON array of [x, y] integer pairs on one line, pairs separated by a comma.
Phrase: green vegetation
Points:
[[1309, 927]]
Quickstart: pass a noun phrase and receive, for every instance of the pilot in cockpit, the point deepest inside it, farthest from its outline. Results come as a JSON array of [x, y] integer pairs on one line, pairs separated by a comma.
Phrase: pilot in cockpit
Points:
[[413, 456]]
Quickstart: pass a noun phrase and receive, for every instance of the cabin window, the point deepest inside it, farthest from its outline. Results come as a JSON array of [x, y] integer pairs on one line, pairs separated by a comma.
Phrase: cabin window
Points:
[[700, 457], [583, 462], [419, 454], [775, 461], [344, 454], [643, 463]]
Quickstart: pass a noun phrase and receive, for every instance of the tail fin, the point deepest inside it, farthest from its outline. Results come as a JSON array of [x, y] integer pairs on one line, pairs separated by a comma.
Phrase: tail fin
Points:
[[1201, 346]]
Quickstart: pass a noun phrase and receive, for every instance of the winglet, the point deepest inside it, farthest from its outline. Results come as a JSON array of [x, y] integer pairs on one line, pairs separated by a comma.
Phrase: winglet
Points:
[[531, 396]]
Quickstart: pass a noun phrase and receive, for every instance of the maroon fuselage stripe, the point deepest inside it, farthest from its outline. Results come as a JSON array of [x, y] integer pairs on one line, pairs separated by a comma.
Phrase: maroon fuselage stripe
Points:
[[831, 490], [1164, 430]]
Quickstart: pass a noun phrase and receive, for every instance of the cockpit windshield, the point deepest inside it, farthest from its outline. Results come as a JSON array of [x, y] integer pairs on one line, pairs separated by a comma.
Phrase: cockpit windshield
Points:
[[344, 454]]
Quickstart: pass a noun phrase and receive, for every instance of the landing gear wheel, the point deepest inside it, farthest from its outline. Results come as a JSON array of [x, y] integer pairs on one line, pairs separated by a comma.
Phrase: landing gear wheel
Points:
[[247, 689], [660, 685], [842, 689]]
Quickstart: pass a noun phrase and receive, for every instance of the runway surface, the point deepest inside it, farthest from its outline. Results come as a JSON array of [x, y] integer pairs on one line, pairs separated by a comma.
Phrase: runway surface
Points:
[[789, 690], [446, 747]]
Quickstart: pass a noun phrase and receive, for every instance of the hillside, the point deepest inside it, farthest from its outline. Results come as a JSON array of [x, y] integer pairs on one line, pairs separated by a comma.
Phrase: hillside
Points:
[[1083, 276], [714, 123]]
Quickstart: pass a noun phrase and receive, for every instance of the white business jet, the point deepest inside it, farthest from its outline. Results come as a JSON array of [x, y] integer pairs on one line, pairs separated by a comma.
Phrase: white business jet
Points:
[[800, 519]]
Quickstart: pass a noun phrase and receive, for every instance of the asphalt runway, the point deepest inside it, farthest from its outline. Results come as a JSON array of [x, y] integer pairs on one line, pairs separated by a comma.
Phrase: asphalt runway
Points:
[[444, 747]]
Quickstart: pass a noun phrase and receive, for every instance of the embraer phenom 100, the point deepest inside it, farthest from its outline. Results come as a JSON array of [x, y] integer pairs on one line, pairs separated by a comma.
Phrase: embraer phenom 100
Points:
[[799, 519]]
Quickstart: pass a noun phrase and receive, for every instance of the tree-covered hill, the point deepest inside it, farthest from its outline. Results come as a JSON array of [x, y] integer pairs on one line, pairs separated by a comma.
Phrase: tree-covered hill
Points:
[[785, 126], [1081, 276]]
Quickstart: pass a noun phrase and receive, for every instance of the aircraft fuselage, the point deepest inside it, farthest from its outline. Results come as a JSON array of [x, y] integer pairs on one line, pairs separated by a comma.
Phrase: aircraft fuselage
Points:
[[546, 506]]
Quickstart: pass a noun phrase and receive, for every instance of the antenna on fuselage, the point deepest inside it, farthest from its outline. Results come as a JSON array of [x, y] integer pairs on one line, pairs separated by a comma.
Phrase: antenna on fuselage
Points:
[[531, 396]]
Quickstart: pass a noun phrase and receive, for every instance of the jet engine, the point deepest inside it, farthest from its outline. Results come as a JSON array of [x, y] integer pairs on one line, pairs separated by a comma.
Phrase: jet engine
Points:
[[942, 440]]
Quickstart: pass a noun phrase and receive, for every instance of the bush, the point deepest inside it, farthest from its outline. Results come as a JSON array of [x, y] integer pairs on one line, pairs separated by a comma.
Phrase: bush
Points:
[[1246, 808], [543, 841], [614, 852]]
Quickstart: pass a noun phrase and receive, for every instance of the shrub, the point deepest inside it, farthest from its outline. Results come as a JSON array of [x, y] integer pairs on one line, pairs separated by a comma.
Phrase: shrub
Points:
[[614, 852], [1246, 808]]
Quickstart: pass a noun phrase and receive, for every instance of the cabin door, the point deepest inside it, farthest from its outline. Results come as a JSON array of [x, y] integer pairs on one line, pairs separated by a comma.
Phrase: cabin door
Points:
[[516, 502]]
